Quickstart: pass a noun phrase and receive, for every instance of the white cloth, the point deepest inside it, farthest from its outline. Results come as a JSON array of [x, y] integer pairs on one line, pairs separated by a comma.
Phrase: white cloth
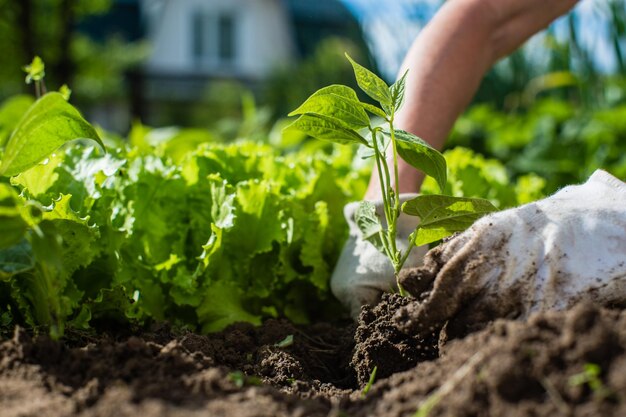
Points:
[[544, 255], [363, 273]]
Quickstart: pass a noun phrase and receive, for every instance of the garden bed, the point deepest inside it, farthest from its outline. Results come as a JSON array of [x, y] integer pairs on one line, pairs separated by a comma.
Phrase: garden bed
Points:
[[558, 364]]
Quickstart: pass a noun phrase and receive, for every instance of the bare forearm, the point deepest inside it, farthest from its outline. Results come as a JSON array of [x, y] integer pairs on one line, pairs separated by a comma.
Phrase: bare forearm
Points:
[[449, 59]]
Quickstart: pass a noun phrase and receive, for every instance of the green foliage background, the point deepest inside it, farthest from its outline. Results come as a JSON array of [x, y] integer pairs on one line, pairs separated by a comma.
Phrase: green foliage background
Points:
[[51, 29]]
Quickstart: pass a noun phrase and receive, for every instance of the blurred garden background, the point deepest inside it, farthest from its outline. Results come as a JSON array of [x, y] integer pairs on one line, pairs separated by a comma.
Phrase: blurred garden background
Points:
[[234, 68], [204, 210]]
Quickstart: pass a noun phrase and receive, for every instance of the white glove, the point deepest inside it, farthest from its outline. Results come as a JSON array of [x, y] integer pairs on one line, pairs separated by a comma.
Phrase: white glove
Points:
[[545, 255], [363, 273]]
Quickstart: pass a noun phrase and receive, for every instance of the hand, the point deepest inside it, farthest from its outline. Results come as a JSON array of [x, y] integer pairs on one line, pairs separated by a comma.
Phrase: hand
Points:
[[544, 255], [363, 273]]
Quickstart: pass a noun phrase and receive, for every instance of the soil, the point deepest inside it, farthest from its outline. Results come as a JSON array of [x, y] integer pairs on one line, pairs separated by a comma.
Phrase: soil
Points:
[[569, 363]]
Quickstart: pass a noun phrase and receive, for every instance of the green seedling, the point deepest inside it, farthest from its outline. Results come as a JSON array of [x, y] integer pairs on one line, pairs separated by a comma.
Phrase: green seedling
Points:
[[592, 377], [370, 382], [242, 380], [336, 114], [6, 318], [35, 72], [427, 406], [6, 322], [65, 91], [286, 342]]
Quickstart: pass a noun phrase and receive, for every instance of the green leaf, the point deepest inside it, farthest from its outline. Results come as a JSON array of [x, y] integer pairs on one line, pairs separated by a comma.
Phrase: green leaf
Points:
[[441, 216], [45, 288], [371, 84], [11, 112], [430, 235], [12, 224], [223, 305], [211, 249], [16, 259], [370, 382], [222, 207], [397, 91], [336, 101], [315, 228], [286, 342], [383, 142], [419, 154], [78, 239], [110, 303], [38, 179], [48, 124], [374, 110], [369, 224], [257, 217], [326, 128]]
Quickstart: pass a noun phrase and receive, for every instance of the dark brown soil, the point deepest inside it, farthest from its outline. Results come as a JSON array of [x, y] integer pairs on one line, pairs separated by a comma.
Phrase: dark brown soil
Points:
[[382, 345], [535, 368]]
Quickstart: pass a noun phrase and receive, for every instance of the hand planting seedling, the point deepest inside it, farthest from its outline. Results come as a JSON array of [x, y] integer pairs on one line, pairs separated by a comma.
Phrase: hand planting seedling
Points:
[[546, 255], [336, 114]]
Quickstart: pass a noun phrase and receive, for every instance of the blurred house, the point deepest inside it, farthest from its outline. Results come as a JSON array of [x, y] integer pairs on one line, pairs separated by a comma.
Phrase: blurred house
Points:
[[196, 42], [199, 44]]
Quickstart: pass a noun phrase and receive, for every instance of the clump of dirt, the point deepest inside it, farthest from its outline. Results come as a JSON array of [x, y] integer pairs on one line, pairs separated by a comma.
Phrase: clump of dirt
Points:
[[380, 344], [569, 363]]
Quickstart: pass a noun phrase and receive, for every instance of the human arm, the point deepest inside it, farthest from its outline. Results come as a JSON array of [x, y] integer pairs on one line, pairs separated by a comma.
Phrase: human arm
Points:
[[446, 63], [448, 60]]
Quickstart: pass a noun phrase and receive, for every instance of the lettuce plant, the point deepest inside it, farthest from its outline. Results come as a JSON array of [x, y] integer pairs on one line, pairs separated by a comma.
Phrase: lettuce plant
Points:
[[336, 114], [170, 224]]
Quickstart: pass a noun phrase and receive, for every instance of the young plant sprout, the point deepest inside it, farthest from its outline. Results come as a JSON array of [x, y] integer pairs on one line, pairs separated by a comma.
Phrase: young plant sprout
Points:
[[370, 382], [336, 114], [35, 71]]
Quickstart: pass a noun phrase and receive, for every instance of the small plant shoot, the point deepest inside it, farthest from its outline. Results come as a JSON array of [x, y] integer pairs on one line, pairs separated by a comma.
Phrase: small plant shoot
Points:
[[35, 72], [336, 114], [592, 377], [370, 382]]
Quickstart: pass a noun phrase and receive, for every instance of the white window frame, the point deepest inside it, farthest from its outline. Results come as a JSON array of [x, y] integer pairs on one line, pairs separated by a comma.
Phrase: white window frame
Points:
[[206, 39]]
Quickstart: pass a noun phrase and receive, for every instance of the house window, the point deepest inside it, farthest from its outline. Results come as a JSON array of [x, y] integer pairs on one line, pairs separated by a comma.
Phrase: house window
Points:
[[213, 39], [226, 38]]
